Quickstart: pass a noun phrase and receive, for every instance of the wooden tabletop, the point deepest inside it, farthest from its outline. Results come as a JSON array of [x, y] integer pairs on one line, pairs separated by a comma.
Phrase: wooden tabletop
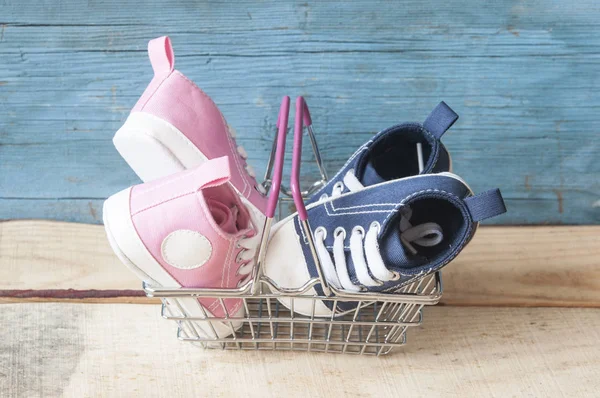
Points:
[[512, 323]]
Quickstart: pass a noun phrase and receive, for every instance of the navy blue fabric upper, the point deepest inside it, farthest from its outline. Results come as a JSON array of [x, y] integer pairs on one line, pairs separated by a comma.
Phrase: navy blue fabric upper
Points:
[[438, 198], [392, 154]]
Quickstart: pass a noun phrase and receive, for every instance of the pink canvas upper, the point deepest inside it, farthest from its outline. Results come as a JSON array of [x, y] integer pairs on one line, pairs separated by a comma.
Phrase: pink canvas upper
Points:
[[191, 200], [174, 98]]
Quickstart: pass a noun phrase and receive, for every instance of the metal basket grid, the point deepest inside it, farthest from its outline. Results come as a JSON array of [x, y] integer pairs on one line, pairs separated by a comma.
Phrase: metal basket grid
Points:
[[376, 325]]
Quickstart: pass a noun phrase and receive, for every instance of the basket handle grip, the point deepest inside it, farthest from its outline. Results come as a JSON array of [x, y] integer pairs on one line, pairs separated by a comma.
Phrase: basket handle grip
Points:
[[306, 114], [297, 193], [296, 158], [282, 123]]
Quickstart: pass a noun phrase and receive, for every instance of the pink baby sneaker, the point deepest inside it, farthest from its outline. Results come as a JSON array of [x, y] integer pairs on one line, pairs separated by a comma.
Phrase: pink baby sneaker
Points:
[[175, 126], [189, 229]]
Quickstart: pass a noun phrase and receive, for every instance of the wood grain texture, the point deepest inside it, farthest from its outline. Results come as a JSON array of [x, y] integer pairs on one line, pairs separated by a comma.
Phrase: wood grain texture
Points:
[[502, 266], [58, 261], [118, 350], [523, 77], [527, 266]]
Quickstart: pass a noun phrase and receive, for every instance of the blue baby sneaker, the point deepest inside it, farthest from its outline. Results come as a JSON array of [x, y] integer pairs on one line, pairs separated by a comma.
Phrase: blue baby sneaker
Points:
[[400, 151], [378, 238]]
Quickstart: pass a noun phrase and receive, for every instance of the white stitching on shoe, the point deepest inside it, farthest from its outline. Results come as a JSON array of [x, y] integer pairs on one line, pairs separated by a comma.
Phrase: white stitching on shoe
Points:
[[229, 140], [352, 212], [354, 155], [230, 251]]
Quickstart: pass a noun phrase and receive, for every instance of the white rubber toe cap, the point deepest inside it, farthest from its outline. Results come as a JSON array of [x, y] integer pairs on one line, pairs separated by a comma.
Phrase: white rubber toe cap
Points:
[[284, 262], [286, 266]]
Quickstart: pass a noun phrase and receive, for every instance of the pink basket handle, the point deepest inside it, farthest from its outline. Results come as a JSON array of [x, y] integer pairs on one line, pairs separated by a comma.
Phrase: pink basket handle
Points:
[[296, 158], [282, 123], [306, 114]]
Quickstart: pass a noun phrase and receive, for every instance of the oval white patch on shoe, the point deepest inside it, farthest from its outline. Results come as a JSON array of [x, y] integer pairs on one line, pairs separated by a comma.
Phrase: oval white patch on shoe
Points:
[[185, 249]]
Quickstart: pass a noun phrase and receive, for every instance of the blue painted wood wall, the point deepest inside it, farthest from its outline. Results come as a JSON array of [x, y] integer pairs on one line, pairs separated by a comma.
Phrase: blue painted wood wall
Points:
[[523, 75]]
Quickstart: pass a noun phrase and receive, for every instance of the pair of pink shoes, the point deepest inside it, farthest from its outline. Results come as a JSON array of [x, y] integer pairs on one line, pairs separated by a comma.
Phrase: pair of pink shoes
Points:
[[197, 219]]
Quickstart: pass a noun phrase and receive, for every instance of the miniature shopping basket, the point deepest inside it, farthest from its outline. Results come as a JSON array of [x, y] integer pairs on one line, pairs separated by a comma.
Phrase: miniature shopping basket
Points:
[[377, 325]]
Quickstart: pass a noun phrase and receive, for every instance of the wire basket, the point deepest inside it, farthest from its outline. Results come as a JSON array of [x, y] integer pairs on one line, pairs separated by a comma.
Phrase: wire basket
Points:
[[377, 323]]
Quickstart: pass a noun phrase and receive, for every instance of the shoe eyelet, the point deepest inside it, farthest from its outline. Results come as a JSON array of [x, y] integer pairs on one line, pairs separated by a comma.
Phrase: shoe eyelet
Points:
[[358, 229], [339, 185], [396, 276], [322, 230], [375, 224], [324, 197], [237, 258], [338, 231], [237, 272], [260, 189]]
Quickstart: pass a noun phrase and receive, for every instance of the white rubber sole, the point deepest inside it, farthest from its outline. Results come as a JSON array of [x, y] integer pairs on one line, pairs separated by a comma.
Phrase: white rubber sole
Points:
[[285, 264], [127, 245], [154, 148]]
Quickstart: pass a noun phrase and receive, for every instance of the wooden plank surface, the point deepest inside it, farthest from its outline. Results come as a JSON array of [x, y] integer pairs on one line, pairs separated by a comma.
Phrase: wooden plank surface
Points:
[[502, 266], [44, 260], [118, 350], [523, 77]]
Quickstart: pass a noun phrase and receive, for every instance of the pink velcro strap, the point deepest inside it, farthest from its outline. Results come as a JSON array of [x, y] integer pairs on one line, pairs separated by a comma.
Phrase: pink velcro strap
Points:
[[161, 55]]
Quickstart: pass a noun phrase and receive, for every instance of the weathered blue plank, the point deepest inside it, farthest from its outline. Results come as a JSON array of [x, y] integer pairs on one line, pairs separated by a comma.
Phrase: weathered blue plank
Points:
[[523, 77], [87, 210]]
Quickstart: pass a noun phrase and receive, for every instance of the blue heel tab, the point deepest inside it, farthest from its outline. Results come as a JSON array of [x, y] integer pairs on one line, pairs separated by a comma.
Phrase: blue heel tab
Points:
[[486, 205], [440, 120]]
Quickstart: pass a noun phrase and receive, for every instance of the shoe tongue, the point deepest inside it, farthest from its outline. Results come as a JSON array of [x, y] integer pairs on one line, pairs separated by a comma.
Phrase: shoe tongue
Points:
[[224, 217], [370, 175]]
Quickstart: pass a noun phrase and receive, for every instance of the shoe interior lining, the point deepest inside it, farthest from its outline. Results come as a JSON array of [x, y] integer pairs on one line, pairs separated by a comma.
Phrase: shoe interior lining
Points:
[[395, 155], [226, 195], [447, 216]]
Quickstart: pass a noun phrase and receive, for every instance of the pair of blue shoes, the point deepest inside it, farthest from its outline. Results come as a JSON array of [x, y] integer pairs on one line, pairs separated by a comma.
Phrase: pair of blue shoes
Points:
[[394, 213]]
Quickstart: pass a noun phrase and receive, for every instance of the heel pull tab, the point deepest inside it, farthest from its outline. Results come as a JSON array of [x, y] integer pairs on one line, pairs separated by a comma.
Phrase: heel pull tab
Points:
[[213, 172], [161, 55], [440, 120], [486, 205]]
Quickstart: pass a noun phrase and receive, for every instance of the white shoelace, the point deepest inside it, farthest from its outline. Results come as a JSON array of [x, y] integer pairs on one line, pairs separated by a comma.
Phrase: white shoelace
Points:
[[246, 256], [349, 181], [336, 271], [426, 235], [364, 248]]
